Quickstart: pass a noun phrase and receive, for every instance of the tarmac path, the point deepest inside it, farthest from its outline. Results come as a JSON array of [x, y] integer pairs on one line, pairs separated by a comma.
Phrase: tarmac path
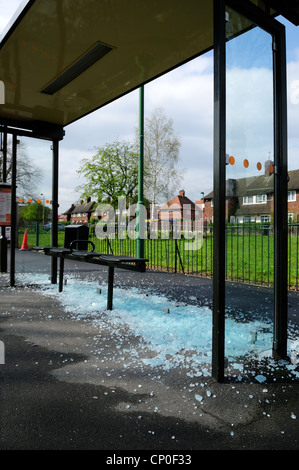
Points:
[[58, 393]]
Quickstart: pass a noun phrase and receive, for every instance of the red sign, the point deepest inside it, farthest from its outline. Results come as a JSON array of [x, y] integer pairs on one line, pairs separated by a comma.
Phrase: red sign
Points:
[[5, 204]]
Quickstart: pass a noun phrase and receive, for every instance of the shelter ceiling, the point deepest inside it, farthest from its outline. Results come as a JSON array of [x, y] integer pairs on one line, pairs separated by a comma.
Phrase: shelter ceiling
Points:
[[147, 38], [45, 55]]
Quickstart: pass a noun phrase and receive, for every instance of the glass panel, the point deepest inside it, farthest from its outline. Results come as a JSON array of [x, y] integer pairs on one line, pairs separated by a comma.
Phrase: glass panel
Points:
[[249, 193], [34, 206]]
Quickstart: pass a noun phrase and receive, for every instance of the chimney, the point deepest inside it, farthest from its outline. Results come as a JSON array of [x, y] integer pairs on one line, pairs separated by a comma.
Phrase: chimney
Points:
[[182, 193], [268, 165]]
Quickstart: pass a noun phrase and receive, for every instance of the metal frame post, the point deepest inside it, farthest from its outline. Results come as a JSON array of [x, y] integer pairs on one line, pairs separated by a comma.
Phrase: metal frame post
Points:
[[3, 241], [13, 230], [4, 154], [110, 288], [280, 197], [140, 221], [219, 192], [54, 239]]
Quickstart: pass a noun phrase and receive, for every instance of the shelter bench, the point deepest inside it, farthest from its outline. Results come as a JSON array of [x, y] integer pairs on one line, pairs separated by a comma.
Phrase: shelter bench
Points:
[[112, 261]]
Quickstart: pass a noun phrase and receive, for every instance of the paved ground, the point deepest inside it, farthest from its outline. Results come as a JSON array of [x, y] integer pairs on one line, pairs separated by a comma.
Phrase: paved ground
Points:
[[56, 392]]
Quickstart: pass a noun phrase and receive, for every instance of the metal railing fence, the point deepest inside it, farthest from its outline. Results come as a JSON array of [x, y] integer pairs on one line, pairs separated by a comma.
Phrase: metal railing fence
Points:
[[249, 251]]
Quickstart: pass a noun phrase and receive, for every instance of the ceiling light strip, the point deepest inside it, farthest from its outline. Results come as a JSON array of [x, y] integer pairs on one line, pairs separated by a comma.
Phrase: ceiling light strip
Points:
[[94, 54]]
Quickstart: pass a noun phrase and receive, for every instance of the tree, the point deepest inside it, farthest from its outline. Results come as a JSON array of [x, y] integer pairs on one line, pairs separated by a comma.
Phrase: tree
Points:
[[34, 212], [161, 155], [111, 173], [28, 174]]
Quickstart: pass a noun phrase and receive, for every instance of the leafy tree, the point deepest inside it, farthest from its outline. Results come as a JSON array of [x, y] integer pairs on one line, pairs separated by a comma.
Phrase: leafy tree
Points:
[[111, 173], [34, 212]]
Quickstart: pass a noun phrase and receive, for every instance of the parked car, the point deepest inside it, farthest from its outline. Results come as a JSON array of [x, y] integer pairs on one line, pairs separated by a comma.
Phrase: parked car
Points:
[[48, 227]]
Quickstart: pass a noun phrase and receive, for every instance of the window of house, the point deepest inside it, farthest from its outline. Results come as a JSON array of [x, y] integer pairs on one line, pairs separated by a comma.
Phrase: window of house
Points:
[[258, 199], [265, 219], [261, 199], [291, 196], [248, 200]]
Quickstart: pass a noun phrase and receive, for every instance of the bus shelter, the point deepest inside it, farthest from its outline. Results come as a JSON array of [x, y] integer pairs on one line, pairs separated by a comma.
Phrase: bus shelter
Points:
[[61, 60]]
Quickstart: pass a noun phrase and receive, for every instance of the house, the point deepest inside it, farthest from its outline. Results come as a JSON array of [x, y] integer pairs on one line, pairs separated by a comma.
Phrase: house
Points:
[[66, 216], [78, 214], [180, 206], [293, 195], [252, 199]]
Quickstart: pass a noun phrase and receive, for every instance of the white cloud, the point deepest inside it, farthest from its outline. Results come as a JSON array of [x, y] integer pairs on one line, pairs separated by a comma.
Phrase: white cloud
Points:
[[293, 114], [186, 94], [249, 118]]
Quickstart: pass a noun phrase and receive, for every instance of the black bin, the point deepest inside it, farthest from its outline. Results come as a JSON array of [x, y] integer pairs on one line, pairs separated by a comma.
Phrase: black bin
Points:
[[76, 232]]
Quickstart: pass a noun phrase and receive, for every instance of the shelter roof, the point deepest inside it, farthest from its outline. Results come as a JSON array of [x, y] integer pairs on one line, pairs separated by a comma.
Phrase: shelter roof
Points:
[[62, 59]]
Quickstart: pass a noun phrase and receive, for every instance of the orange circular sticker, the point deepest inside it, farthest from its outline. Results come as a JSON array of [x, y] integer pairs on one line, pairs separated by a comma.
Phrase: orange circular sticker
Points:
[[246, 163], [29, 200], [38, 201], [271, 168], [231, 160], [259, 166]]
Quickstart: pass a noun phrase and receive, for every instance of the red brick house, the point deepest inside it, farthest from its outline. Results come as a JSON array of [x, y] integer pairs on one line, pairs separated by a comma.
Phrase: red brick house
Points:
[[78, 214], [180, 206], [66, 216], [251, 199], [293, 195]]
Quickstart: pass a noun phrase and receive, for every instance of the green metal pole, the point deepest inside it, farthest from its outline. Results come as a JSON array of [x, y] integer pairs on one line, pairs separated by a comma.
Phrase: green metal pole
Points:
[[140, 221]]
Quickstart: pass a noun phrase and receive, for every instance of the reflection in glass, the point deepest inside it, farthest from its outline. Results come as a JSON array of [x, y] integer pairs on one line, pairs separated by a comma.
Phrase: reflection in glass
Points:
[[249, 179]]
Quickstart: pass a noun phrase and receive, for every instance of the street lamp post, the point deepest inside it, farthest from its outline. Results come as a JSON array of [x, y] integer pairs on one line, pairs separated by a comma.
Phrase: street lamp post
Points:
[[203, 208]]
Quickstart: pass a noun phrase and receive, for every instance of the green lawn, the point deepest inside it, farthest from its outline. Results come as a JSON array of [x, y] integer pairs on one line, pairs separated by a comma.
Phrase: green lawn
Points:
[[44, 238]]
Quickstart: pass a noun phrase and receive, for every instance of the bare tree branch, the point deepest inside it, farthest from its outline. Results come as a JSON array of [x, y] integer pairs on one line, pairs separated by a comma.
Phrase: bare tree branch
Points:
[[28, 174]]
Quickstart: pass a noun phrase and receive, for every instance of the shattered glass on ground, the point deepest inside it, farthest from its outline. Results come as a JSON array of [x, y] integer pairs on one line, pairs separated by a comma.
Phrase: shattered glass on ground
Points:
[[169, 333]]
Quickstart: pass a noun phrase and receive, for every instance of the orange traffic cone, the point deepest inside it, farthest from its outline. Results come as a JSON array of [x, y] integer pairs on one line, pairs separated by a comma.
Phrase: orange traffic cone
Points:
[[25, 243]]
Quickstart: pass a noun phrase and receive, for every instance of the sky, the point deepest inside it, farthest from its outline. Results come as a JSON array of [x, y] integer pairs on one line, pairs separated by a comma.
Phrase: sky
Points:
[[186, 95]]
